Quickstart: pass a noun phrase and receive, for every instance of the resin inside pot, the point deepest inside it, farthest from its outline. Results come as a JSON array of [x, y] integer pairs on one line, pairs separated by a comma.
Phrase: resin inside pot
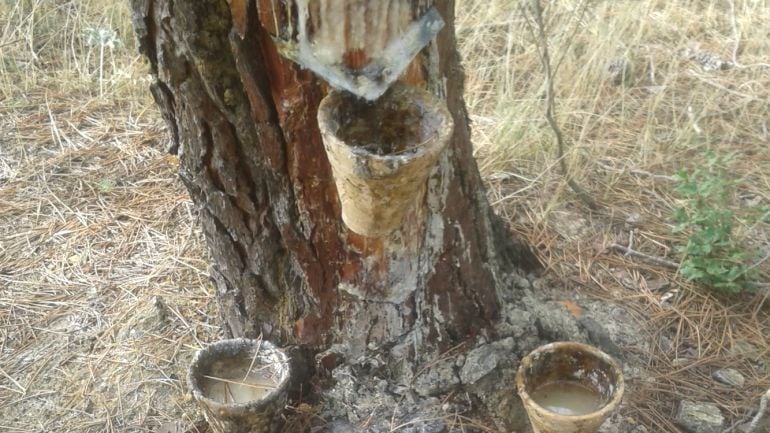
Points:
[[567, 398], [241, 385], [238, 372], [393, 124], [235, 381]]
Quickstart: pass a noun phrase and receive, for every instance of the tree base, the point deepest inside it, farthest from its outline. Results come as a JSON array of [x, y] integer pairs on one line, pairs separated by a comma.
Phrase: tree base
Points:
[[472, 383]]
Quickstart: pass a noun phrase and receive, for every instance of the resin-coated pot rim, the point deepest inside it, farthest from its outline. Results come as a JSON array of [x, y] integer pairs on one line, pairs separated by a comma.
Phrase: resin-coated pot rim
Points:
[[236, 345], [603, 412], [433, 143]]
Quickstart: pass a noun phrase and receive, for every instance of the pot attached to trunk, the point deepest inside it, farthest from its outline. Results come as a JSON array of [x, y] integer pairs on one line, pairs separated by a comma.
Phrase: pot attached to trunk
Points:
[[382, 153]]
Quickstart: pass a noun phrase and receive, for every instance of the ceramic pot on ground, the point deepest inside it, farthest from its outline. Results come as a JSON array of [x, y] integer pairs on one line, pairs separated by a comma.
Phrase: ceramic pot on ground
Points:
[[241, 385], [585, 386]]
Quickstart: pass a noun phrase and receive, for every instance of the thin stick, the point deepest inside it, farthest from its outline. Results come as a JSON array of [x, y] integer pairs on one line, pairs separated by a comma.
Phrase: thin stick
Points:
[[225, 390], [653, 259], [761, 419], [250, 385], [737, 42], [254, 359], [550, 106], [8, 376]]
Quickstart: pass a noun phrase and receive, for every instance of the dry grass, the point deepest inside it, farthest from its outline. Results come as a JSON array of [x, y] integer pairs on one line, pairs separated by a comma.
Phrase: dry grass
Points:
[[94, 227], [94, 224], [626, 141]]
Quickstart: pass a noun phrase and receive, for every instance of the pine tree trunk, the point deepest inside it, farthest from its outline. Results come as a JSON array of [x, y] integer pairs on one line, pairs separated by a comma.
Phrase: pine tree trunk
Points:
[[244, 122]]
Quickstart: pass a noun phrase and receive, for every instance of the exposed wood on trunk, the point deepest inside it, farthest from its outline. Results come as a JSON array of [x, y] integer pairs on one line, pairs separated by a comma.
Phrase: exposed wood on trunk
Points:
[[251, 155]]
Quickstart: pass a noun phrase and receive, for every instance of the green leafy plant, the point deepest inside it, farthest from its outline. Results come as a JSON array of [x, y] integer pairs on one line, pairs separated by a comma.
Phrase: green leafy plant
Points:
[[713, 255], [106, 185]]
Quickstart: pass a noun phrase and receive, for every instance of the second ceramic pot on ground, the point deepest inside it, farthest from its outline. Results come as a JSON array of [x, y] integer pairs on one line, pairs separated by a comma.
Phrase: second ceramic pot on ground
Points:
[[382, 152], [569, 387]]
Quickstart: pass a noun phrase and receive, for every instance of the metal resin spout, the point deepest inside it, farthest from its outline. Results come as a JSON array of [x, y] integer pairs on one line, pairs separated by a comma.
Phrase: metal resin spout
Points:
[[361, 46]]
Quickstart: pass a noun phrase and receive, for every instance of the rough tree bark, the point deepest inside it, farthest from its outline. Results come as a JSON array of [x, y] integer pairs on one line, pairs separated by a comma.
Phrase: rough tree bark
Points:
[[244, 122]]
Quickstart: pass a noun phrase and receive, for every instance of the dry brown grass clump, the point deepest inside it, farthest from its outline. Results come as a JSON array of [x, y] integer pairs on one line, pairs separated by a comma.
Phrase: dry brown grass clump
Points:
[[103, 293]]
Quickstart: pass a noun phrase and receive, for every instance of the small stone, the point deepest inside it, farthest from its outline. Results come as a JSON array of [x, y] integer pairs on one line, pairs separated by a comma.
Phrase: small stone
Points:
[[729, 376], [599, 336], [340, 427], [437, 379], [479, 362], [620, 424], [460, 360], [382, 386], [744, 428], [520, 282], [553, 322], [658, 285], [620, 71], [707, 60], [680, 362], [172, 427], [540, 284], [634, 220], [613, 424], [665, 344], [516, 323], [699, 417], [506, 345], [746, 350], [761, 421], [153, 316]]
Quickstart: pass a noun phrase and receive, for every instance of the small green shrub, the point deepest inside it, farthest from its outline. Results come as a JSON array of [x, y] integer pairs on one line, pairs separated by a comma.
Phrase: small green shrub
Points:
[[714, 255], [106, 185]]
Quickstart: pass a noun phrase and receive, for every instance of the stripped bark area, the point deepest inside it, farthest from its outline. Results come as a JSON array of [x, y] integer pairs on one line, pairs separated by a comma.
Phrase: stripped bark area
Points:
[[244, 121]]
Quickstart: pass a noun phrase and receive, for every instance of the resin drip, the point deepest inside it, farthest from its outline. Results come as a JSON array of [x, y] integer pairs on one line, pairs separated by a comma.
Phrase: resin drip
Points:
[[390, 128], [233, 388], [567, 398]]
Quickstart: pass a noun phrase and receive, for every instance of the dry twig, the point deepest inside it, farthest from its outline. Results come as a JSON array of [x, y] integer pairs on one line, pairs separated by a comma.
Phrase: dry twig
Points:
[[550, 104], [652, 259]]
